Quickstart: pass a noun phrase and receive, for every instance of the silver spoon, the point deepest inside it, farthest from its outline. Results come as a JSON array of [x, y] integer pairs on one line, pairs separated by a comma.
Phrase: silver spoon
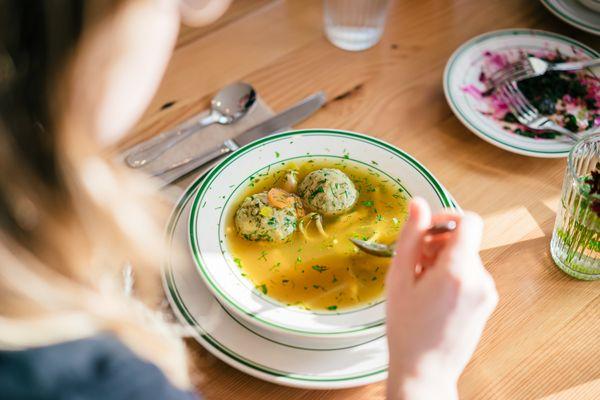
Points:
[[229, 105], [385, 250]]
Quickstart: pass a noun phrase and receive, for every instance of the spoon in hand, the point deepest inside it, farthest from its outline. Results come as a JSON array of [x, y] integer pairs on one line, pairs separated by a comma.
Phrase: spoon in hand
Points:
[[229, 105], [385, 250]]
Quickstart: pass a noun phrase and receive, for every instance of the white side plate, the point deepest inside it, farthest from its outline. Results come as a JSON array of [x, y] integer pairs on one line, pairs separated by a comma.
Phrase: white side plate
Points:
[[464, 67]]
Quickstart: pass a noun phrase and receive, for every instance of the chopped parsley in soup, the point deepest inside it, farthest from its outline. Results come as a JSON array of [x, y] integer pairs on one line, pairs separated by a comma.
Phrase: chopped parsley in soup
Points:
[[288, 232]]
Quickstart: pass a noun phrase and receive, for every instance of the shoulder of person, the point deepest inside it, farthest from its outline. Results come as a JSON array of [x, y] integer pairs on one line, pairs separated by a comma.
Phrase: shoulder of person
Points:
[[98, 367]]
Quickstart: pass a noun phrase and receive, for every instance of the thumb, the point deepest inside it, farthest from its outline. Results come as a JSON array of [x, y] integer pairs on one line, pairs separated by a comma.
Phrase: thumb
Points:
[[408, 247]]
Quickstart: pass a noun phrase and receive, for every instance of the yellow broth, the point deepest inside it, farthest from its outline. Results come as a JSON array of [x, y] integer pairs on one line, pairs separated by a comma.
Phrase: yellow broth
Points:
[[324, 273]]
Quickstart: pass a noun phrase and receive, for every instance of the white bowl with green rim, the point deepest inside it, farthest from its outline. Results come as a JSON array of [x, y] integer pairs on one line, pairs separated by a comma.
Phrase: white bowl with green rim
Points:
[[464, 68], [224, 184]]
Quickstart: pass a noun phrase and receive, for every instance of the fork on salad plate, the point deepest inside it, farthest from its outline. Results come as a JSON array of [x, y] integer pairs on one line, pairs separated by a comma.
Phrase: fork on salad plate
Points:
[[530, 67], [528, 115]]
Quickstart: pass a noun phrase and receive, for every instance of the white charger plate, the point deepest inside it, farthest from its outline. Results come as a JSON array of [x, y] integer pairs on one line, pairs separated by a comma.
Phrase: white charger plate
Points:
[[573, 12], [222, 187], [463, 69], [240, 346]]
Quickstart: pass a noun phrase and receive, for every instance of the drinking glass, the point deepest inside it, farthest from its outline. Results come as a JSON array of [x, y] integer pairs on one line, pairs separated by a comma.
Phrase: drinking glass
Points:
[[355, 24], [575, 245]]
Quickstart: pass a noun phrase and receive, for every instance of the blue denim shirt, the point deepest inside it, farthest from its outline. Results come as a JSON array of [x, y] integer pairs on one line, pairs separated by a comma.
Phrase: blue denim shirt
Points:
[[95, 368]]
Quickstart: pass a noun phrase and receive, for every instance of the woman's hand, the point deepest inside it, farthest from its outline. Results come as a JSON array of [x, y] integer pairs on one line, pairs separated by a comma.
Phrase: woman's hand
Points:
[[439, 297]]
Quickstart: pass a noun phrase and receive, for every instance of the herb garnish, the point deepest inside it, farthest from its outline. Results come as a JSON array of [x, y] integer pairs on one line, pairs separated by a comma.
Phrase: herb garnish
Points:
[[319, 268], [263, 288], [263, 255], [316, 192]]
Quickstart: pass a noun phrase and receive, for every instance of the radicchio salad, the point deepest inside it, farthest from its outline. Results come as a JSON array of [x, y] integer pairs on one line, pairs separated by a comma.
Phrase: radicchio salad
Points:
[[570, 99]]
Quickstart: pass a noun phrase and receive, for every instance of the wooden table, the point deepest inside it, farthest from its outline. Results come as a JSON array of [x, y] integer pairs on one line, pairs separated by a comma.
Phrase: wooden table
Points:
[[543, 341]]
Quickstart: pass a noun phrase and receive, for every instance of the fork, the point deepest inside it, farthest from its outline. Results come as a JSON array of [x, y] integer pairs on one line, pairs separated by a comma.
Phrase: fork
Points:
[[529, 116], [530, 67]]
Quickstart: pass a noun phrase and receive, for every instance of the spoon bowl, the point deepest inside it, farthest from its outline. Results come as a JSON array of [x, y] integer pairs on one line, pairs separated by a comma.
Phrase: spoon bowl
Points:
[[388, 250], [232, 102]]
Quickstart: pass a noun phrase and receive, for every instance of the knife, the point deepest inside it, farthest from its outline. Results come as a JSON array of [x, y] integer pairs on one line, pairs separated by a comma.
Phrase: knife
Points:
[[291, 116]]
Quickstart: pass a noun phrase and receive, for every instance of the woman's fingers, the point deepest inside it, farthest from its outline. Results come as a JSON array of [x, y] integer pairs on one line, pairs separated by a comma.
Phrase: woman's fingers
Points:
[[462, 245], [433, 244], [408, 249]]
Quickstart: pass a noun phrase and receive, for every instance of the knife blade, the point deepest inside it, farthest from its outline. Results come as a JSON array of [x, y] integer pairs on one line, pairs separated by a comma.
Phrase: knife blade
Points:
[[285, 119]]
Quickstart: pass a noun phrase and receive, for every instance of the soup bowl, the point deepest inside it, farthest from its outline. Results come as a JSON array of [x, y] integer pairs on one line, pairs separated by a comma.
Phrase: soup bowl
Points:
[[210, 233]]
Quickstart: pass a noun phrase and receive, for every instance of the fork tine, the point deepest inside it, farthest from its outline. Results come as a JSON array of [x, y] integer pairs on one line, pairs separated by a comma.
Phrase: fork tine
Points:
[[507, 99], [520, 76], [510, 100], [506, 74], [522, 100], [523, 115], [519, 94], [516, 99], [507, 78], [518, 70], [510, 69]]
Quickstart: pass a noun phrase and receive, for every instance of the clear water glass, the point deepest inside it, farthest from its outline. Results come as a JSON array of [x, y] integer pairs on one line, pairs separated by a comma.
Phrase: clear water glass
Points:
[[575, 245], [355, 24]]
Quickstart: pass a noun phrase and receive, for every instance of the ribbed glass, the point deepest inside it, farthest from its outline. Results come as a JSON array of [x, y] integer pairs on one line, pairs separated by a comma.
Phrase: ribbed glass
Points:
[[575, 245], [355, 24]]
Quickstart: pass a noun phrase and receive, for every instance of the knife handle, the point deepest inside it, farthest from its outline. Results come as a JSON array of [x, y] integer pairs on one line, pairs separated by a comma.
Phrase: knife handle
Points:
[[191, 163]]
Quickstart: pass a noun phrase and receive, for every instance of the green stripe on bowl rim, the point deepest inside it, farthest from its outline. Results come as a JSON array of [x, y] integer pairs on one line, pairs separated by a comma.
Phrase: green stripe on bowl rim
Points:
[[441, 193], [578, 23], [210, 342], [483, 37]]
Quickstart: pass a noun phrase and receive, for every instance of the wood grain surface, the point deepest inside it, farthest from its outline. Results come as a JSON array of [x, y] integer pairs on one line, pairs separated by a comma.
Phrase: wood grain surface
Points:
[[543, 341]]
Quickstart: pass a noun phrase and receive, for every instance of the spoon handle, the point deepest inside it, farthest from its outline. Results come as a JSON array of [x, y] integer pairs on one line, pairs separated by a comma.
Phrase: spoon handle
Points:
[[152, 149], [384, 250]]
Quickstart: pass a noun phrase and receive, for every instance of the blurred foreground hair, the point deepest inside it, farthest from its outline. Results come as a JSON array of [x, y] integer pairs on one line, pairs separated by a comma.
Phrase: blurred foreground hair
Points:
[[69, 218]]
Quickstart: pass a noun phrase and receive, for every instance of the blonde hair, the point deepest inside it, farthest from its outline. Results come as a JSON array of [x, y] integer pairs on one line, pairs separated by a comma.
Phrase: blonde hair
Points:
[[70, 219]]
